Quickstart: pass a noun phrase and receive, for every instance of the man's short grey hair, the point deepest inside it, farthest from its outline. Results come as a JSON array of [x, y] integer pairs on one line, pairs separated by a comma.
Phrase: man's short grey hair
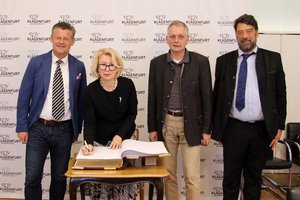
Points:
[[178, 23]]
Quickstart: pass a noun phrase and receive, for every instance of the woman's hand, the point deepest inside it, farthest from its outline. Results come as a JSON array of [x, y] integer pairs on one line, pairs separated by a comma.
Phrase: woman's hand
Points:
[[87, 149], [205, 139], [116, 143]]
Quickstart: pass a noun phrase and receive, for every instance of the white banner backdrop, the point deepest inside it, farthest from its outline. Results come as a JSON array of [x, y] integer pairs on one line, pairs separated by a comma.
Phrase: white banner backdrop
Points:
[[137, 30]]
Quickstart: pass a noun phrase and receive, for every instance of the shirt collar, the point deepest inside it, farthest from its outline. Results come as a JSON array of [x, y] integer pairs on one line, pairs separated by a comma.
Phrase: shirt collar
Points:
[[54, 59], [253, 51], [186, 57]]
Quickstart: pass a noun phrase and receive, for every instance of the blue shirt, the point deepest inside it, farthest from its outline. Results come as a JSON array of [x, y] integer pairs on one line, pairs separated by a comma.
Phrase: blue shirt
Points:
[[252, 111]]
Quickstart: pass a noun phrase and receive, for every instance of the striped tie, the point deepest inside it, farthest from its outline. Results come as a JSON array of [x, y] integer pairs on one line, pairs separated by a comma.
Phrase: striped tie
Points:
[[58, 107]]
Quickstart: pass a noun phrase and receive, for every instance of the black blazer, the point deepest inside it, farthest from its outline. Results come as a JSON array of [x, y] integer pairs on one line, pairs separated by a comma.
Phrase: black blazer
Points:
[[272, 90], [196, 96]]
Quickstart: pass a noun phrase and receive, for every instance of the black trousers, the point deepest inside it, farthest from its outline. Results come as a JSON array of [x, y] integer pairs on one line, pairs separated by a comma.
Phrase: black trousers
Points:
[[246, 148]]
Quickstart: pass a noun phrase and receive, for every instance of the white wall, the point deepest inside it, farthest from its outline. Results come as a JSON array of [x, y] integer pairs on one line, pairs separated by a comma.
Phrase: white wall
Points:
[[276, 16]]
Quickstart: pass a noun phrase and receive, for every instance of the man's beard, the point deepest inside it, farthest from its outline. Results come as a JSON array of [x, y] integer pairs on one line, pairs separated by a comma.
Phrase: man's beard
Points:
[[249, 47]]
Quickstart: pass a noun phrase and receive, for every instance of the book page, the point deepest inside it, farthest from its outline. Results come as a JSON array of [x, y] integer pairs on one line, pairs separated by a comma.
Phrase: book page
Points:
[[132, 148], [104, 153]]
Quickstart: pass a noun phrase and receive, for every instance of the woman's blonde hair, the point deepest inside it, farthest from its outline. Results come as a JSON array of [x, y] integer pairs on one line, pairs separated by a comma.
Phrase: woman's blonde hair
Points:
[[115, 58]]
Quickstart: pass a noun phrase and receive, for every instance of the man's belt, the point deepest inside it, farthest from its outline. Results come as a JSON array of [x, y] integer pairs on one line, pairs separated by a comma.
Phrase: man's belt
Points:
[[52, 123], [175, 113]]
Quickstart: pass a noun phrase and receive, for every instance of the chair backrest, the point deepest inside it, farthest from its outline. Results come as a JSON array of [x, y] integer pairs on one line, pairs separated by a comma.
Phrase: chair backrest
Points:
[[293, 133]]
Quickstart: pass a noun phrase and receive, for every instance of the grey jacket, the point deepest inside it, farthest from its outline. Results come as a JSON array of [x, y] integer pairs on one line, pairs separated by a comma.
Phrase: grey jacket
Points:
[[196, 96]]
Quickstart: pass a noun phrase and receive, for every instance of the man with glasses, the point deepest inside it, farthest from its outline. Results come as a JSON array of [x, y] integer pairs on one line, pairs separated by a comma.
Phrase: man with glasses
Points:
[[249, 109], [179, 108]]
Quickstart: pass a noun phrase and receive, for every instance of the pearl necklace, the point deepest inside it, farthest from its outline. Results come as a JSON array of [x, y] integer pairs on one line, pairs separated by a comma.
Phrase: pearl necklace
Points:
[[110, 88]]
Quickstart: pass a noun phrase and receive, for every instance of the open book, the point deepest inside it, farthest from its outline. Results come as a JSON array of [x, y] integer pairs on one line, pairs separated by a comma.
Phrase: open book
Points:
[[106, 158]]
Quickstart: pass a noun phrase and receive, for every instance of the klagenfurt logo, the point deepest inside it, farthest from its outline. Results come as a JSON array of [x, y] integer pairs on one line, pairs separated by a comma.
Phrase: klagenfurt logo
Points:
[[5, 89], [129, 73], [129, 55], [34, 19], [5, 122], [5, 72], [7, 139], [132, 39], [68, 19], [129, 20], [8, 172], [218, 159], [6, 38], [226, 38], [8, 187], [217, 175], [195, 38], [35, 37], [162, 20], [5, 20], [225, 21], [160, 38], [217, 191], [7, 106], [99, 20], [6, 155], [32, 53], [99, 38], [193, 20], [5, 55]]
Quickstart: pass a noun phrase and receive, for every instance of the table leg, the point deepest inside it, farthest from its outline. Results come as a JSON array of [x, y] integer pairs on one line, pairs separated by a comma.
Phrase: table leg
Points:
[[82, 191], [151, 189], [73, 185], [158, 183]]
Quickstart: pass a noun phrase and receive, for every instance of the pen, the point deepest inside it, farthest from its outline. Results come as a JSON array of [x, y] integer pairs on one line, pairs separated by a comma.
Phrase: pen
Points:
[[86, 145]]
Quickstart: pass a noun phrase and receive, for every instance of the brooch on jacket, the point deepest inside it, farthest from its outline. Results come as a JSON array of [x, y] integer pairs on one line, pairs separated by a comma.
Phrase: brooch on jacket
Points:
[[78, 76]]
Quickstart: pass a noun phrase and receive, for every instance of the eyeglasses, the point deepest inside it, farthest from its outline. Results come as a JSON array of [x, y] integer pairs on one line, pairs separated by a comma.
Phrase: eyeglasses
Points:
[[105, 66]]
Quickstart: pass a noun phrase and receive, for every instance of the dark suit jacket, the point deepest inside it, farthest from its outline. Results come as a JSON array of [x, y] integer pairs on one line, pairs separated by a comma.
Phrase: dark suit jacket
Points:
[[272, 90], [34, 89], [196, 96]]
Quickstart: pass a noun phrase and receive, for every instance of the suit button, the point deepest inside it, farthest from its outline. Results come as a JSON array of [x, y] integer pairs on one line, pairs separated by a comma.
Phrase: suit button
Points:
[[233, 77], [168, 96], [171, 82]]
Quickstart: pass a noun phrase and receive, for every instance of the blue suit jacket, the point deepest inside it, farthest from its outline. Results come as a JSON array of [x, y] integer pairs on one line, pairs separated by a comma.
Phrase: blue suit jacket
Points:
[[34, 89]]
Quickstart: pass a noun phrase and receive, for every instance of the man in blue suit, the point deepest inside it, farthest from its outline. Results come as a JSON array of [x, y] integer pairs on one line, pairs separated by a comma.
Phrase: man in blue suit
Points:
[[37, 124]]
